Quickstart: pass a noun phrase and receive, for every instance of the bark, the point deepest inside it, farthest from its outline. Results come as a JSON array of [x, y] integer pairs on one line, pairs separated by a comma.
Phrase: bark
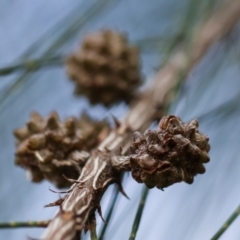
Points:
[[103, 168]]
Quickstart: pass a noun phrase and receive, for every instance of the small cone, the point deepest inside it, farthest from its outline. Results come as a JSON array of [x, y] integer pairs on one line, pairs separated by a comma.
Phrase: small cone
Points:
[[51, 149], [173, 153], [106, 68]]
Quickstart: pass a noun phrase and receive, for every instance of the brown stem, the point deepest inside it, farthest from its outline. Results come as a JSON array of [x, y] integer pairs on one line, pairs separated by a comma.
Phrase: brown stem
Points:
[[101, 169], [85, 199]]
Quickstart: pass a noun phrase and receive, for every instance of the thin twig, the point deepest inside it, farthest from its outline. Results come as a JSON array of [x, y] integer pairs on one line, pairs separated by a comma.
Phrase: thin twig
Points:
[[109, 215], [139, 214], [93, 234], [24, 224], [32, 65], [226, 225]]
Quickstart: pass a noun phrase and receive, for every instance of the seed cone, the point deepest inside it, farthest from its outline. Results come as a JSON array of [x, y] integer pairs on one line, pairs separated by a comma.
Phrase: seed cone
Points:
[[48, 148], [106, 68], [173, 153]]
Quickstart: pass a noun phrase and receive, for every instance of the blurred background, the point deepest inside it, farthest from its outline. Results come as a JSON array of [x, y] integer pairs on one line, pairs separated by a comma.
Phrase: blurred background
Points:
[[41, 29]]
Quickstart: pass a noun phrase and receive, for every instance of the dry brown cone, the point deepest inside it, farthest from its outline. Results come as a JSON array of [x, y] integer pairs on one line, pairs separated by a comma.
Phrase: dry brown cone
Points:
[[48, 148], [173, 153], [106, 68]]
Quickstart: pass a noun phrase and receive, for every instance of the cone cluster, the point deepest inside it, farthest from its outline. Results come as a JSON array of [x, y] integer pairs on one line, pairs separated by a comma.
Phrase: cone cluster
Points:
[[173, 153], [48, 148], [106, 68]]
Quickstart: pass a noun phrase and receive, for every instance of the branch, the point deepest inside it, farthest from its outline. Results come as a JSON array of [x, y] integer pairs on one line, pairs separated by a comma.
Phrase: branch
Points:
[[226, 225], [109, 214], [24, 224], [218, 25], [139, 214], [32, 65], [99, 172]]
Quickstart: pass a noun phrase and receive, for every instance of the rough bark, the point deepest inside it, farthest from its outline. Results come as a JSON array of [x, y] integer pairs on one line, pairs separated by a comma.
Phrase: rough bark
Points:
[[101, 169]]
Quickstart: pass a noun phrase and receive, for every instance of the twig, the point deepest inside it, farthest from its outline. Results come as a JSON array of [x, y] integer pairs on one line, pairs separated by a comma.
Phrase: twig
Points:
[[109, 215], [93, 234], [226, 225], [139, 214], [32, 65], [99, 172], [217, 26], [24, 224]]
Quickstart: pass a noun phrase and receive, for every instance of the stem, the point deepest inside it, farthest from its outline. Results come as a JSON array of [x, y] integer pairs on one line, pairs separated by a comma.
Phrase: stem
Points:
[[93, 234], [226, 225], [24, 224], [139, 214], [109, 215], [32, 65]]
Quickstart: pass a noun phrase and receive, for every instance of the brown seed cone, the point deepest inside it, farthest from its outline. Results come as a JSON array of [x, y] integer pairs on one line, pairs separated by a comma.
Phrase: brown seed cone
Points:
[[173, 153], [48, 148], [106, 68]]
